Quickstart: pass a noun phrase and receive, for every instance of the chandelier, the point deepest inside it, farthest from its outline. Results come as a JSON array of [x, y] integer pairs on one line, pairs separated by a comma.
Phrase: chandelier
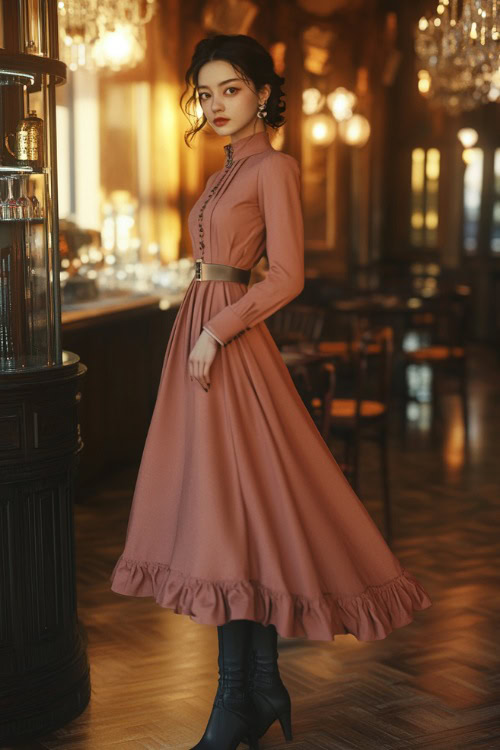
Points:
[[96, 35], [458, 50]]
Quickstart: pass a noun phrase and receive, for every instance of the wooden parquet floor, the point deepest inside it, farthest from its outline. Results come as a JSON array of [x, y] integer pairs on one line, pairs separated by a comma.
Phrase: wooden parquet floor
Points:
[[431, 685]]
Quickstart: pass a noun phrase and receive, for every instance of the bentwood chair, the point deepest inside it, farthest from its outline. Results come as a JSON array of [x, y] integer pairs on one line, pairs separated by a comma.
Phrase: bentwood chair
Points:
[[296, 323], [444, 353], [364, 415], [315, 382]]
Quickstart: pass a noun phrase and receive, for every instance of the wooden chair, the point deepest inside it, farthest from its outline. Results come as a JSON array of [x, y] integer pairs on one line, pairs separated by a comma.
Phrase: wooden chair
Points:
[[353, 327], [445, 353], [315, 382], [293, 324], [364, 415]]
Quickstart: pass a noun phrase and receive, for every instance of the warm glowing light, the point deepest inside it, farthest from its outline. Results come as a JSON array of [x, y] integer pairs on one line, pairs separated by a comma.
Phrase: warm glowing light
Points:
[[93, 33], [95, 255], [198, 109], [117, 48], [432, 164], [355, 131], [417, 172], [417, 220], [431, 220], [321, 129], [414, 302], [341, 103], [423, 24], [424, 85], [469, 155], [467, 137], [312, 101]]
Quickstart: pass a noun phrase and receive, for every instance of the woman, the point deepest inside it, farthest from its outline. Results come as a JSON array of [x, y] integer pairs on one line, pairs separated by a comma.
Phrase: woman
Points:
[[241, 517]]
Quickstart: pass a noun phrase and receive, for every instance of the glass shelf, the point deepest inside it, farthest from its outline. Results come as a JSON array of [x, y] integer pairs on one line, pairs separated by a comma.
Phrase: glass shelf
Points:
[[30, 309], [10, 77], [23, 169], [28, 220], [29, 70]]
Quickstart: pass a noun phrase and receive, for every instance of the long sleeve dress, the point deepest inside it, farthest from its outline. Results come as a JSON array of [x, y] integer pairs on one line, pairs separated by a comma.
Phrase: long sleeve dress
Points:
[[240, 511]]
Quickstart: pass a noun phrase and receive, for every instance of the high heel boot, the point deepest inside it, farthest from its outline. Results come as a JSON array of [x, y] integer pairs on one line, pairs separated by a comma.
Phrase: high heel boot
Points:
[[233, 714], [267, 691]]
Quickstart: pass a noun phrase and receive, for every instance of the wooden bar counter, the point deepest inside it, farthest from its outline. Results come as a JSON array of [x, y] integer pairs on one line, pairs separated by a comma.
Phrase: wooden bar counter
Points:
[[122, 341]]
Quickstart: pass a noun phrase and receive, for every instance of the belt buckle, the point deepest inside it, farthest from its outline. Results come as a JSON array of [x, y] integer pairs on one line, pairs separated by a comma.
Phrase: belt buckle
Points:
[[197, 269]]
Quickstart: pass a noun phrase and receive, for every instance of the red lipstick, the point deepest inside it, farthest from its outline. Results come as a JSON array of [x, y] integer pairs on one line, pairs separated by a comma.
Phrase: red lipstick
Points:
[[221, 120]]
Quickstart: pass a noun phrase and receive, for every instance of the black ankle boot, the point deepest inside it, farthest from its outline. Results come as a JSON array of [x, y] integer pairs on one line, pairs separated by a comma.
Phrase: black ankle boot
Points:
[[233, 714], [267, 691]]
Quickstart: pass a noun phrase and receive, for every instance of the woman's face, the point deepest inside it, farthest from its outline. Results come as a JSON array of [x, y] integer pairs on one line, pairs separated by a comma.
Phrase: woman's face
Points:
[[223, 94]]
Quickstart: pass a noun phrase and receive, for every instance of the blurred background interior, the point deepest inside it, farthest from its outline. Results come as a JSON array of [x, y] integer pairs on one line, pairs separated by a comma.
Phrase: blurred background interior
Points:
[[397, 136], [392, 112]]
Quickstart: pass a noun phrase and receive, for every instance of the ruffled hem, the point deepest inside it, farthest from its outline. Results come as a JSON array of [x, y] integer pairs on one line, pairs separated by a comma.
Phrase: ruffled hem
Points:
[[369, 616]]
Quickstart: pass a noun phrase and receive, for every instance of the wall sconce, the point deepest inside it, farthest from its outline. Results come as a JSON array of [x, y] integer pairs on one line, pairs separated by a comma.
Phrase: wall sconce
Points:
[[320, 129], [355, 131], [341, 103], [313, 101], [424, 81], [468, 137]]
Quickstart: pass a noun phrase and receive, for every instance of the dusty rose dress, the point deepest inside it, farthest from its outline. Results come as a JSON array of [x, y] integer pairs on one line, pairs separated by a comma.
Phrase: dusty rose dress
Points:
[[240, 511]]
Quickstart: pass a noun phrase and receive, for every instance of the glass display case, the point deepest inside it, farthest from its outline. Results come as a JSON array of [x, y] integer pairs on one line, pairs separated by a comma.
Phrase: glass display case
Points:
[[30, 307], [44, 668]]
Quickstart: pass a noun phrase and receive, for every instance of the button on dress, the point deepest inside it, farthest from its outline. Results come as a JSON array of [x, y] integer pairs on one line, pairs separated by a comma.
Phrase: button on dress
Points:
[[240, 511]]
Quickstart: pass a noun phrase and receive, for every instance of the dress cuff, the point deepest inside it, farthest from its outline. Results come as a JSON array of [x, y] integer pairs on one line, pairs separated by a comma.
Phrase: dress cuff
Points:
[[213, 335], [227, 325]]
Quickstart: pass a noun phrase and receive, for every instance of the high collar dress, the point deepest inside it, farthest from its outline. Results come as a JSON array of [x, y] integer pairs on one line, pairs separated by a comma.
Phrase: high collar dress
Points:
[[240, 511]]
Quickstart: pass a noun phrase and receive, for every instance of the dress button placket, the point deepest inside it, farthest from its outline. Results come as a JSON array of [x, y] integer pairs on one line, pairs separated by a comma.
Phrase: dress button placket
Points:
[[229, 163]]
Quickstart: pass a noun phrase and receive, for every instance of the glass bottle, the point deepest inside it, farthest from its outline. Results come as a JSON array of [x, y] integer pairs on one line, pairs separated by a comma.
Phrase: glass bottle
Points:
[[10, 202], [3, 198], [36, 208], [24, 205]]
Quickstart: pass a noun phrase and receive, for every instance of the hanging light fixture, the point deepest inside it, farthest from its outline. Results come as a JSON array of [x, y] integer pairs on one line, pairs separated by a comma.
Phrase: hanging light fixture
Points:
[[321, 129], [341, 103], [108, 34], [459, 54], [468, 137], [312, 101], [355, 131]]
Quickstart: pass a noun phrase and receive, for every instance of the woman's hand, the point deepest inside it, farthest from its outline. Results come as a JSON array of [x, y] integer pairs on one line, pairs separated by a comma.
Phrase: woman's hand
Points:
[[201, 357]]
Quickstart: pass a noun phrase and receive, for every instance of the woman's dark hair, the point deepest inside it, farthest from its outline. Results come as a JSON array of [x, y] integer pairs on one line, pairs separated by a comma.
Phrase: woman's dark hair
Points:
[[253, 63]]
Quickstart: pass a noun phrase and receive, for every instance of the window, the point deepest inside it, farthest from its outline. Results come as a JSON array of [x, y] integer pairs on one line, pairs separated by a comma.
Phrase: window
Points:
[[495, 219], [424, 197], [473, 183]]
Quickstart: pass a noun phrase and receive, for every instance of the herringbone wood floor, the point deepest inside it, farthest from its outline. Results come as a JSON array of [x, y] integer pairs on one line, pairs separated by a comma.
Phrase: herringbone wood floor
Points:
[[434, 684]]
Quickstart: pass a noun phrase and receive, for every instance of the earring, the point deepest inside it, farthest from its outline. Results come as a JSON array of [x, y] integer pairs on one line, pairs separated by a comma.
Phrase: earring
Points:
[[262, 110]]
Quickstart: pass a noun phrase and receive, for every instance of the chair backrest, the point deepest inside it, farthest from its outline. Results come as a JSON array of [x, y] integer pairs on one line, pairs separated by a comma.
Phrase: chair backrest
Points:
[[296, 323], [451, 320], [372, 356], [315, 382]]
